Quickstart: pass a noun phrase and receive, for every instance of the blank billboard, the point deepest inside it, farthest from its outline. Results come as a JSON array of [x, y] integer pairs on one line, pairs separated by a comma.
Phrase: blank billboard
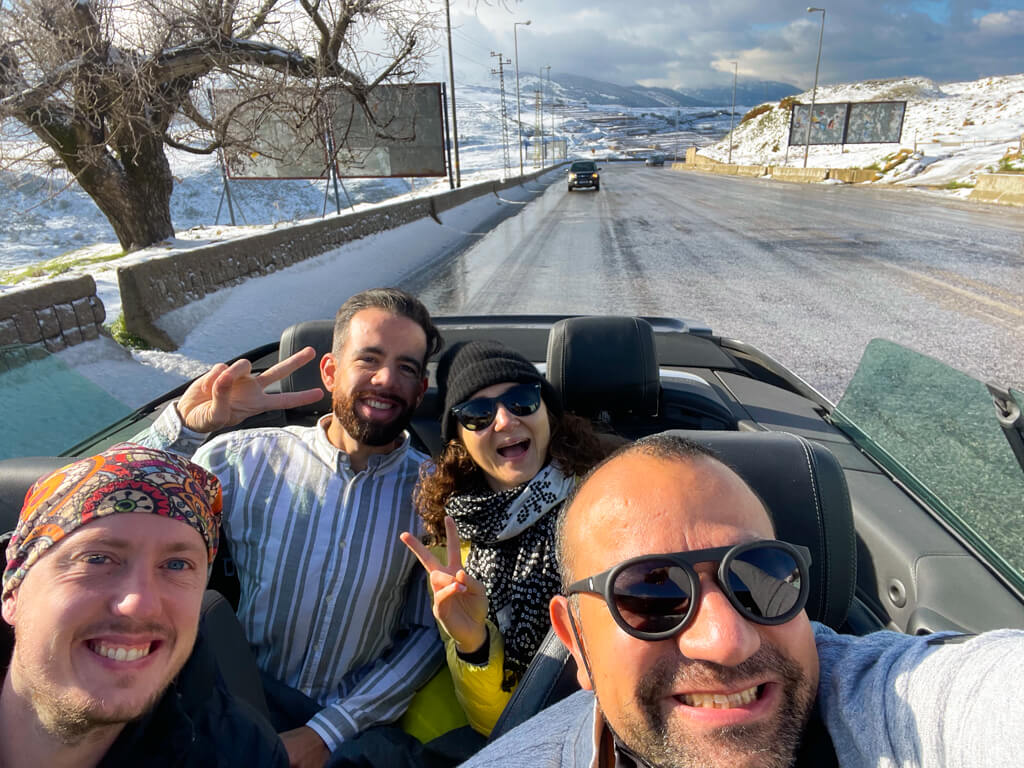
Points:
[[268, 140], [406, 137], [292, 140]]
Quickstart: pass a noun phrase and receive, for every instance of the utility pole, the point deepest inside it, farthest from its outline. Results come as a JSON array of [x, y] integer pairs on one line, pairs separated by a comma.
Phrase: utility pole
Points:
[[552, 133], [538, 126], [500, 72], [519, 113], [451, 77]]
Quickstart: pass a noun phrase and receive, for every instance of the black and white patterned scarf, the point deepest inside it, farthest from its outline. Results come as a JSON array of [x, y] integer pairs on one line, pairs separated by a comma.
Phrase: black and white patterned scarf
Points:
[[512, 553]]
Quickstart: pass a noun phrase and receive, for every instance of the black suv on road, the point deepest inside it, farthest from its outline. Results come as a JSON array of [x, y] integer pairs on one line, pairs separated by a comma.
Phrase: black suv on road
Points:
[[583, 173]]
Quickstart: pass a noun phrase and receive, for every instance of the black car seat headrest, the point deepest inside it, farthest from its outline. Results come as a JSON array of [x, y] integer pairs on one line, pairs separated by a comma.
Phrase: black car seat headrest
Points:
[[804, 489], [16, 477], [604, 365], [318, 334], [803, 486]]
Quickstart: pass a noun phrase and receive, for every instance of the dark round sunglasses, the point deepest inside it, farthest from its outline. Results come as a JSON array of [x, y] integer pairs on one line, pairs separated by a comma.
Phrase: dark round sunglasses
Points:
[[479, 413], [653, 597]]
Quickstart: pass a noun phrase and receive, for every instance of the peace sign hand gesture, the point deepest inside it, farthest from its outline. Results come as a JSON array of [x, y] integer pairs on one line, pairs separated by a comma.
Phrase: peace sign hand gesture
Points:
[[227, 395], [460, 601]]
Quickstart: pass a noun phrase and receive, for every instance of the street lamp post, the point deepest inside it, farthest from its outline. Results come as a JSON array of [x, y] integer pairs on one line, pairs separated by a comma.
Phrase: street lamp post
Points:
[[814, 93], [732, 115], [519, 112], [451, 76]]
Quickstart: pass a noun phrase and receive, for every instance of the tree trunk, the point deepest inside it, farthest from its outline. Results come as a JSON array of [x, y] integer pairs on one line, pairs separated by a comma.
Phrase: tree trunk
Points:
[[133, 191]]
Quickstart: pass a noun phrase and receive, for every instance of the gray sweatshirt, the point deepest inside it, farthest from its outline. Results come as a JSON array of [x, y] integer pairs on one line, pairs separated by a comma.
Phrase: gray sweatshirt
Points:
[[887, 700]]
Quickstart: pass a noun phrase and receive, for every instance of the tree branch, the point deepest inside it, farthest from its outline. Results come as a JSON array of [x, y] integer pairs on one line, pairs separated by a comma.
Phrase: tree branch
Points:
[[259, 19]]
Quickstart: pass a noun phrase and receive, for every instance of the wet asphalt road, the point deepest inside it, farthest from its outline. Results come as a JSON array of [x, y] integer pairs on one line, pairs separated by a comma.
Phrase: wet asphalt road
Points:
[[808, 273]]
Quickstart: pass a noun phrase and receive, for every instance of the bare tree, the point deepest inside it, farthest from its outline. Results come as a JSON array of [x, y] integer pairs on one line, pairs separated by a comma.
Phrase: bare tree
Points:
[[107, 85]]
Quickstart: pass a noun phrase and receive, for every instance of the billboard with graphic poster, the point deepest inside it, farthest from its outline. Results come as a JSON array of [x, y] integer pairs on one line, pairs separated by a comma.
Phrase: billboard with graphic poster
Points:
[[878, 122], [293, 139], [870, 122], [826, 128]]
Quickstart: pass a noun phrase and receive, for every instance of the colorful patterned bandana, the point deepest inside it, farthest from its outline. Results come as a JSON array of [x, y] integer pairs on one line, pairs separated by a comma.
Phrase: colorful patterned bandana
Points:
[[124, 478]]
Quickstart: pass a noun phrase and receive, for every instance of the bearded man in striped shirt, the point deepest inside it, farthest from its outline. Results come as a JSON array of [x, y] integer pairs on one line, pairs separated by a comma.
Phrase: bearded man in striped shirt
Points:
[[332, 603]]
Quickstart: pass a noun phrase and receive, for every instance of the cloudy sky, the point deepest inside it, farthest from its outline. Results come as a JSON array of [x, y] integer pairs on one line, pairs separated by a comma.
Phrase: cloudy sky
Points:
[[679, 43]]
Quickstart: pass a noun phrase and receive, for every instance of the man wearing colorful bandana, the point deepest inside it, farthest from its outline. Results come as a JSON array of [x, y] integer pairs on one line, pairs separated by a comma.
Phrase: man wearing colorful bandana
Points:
[[103, 587]]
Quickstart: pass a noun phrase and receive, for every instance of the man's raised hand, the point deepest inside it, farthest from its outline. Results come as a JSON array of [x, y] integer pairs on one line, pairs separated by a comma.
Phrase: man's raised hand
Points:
[[460, 601], [226, 395]]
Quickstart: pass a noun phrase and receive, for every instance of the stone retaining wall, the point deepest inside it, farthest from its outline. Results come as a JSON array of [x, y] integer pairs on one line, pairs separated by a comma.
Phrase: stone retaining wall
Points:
[[55, 315], [1002, 188], [155, 287]]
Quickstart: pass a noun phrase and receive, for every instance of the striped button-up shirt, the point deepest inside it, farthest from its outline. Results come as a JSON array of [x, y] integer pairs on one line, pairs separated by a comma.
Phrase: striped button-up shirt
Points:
[[332, 603]]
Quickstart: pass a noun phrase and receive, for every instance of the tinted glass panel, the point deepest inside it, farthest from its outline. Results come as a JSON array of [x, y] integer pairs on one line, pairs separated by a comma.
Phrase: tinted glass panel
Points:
[[939, 426], [48, 407]]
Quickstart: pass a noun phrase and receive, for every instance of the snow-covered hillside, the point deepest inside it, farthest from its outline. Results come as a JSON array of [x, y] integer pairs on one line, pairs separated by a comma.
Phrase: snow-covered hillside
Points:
[[952, 132]]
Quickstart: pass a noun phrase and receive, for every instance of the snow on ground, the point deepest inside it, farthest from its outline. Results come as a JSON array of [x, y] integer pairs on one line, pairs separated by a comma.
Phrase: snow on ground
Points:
[[967, 127], [955, 131]]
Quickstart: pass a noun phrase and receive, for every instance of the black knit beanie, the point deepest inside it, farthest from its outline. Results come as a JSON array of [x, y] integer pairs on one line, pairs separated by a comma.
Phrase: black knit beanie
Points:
[[469, 366]]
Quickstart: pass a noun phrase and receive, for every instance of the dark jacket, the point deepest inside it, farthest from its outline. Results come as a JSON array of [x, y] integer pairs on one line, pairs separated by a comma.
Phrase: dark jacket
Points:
[[196, 723]]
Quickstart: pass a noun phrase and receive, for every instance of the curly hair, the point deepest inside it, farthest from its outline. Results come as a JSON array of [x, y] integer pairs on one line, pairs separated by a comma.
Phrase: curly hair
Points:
[[574, 449]]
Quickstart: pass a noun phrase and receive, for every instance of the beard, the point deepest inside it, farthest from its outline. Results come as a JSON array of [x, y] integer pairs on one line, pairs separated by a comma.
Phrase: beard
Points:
[[367, 432], [769, 744], [70, 716]]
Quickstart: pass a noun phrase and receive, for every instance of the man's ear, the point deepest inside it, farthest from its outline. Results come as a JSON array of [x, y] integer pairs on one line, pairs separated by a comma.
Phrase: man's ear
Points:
[[561, 623], [10, 606], [328, 370]]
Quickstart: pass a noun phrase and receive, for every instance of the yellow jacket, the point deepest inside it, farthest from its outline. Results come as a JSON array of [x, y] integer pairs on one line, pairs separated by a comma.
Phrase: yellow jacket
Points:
[[475, 689]]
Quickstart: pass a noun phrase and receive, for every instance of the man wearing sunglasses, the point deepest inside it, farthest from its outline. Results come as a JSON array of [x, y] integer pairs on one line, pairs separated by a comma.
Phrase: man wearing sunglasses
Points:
[[685, 618]]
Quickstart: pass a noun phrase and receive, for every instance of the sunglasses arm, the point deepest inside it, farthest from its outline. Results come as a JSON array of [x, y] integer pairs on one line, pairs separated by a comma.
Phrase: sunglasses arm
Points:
[[579, 642]]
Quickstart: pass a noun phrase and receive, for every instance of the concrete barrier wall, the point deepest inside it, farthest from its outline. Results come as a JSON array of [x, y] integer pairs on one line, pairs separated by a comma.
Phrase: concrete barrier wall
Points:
[[853, 175], [799, 175], [152, 288], [55, 315], [1002, 188]]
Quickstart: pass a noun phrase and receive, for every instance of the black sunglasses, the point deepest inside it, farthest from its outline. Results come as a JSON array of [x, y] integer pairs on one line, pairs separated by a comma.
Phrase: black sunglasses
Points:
[[653, 597], [479, 413]]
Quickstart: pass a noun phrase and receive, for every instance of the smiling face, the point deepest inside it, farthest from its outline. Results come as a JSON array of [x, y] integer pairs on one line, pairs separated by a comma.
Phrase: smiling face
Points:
[[376, 380], [104, 620], [724, 691], [513, 448]]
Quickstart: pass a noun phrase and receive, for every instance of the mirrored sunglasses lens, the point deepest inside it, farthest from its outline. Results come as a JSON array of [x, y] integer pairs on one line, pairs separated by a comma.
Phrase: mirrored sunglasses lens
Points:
[[476, 414], [765, 581], [653, 595], [522, 400]]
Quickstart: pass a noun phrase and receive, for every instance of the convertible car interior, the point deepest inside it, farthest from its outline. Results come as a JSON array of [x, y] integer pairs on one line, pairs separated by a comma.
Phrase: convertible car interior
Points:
[[881, 559]]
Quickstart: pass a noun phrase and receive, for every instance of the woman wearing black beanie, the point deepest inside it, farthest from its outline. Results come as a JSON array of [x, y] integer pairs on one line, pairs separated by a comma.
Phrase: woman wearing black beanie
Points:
[[511, 457]]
